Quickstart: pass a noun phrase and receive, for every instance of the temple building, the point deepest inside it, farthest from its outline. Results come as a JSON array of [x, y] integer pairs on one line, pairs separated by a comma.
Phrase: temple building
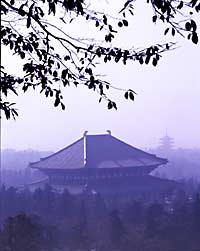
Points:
[[102, 164]]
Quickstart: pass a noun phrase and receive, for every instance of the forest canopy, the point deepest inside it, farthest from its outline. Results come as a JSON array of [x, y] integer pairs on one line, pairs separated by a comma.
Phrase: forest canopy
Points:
[[38, 32]]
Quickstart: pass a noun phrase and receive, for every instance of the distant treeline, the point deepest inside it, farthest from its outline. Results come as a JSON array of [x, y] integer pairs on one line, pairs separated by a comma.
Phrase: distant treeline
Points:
[[45, 220], [19, 178], [14, 166], [183, 163], [19, 160]]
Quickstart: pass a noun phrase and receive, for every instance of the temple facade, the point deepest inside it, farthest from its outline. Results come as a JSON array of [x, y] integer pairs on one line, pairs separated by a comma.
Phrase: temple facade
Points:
[[102, 164]]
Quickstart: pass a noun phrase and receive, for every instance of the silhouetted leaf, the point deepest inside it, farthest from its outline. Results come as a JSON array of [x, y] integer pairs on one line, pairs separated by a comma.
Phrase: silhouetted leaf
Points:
[[11, 45], [114, 105], [90, 47], [7, 113], [189, 36], [141, 60], [22, 55], [51, 93], [63, 106], [120, 24], [154, 62], [173, 31], [126, 95], [162, 18], [55, 74], [131, 12], [197, 8], [180, 6], [125, 5], [52, 8], [193, 3], [21, 11], [67, 58], [154, 18], [166, 31], [131, 96], [97, 24], [64, 73], [194, 38], [188, 26], [105, 20], [125, 22], [25, 88], [57, 102], [193, 25], [110, 105], [147, 59], [14, 113]]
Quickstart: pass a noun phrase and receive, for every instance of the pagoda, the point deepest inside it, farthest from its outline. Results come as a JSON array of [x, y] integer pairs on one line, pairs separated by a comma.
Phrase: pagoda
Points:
[[166, 145], [101, 163]]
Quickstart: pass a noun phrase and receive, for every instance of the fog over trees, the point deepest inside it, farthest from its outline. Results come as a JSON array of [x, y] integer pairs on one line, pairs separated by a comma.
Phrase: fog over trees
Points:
[[14, 166], [47, 220]]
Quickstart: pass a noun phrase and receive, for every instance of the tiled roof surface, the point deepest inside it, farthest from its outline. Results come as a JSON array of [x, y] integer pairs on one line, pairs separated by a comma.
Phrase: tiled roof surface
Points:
[[70, 157], [102, 151]]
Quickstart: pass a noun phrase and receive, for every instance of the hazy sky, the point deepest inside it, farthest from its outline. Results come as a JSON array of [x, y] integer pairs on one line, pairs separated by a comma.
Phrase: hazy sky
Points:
[[168, 98]]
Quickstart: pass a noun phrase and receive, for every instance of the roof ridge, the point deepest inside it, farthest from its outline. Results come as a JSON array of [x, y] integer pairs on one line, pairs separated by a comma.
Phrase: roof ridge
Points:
[[105, 134]]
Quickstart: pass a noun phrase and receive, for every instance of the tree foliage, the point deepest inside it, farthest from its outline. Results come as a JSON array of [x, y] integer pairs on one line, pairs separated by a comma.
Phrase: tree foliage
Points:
[[172, 223], [21, 233], [53, 58]]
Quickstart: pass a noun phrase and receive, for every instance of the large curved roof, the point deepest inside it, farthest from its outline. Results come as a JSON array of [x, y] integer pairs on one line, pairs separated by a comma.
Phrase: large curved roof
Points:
[[98, 151]]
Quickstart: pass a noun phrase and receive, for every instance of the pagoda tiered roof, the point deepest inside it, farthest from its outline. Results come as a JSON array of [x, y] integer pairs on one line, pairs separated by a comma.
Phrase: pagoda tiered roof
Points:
[[98, 151]]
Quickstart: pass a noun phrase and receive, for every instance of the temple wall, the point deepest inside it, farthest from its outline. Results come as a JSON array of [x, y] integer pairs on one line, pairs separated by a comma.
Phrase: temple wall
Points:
[[81, 176]]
